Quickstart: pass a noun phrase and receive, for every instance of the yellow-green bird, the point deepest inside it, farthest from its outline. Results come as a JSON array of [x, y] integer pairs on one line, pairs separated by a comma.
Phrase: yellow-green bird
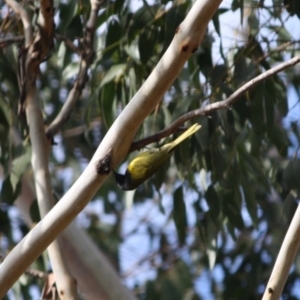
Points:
[[147, 163]]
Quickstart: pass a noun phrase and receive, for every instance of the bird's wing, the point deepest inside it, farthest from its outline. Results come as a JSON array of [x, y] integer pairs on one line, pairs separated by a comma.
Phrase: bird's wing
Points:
[[146, 164]]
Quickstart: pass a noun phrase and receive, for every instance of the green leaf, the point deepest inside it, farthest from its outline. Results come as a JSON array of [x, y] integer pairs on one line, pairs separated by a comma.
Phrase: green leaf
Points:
[[213, 202], [257, 109], [141, 20], [173, 19], [238, 4], [252, 167], [34, 212], [70, 71], [250, 199], [212, 252], [279, 137], [218, 77], [293, 7], [75, 28], [62, 50], [115, 72], [173, 283], [66, 14], [280, 94], [283, 34], [113, 37], [151, 293], [216, 22], [204, 58], [9, 193], [211, 227], [291, 174], [20, 164], [107, 103], [12, 184], [232, 210], [147, 43], [290, 206], [4, 121], [5, 226], [244, 69], [133, 51], [4, 112], [121, 6], [160, 176], [179, 215]]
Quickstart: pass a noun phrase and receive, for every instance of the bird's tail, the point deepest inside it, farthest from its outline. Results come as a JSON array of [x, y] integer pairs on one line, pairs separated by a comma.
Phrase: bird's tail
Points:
[[183, 136]]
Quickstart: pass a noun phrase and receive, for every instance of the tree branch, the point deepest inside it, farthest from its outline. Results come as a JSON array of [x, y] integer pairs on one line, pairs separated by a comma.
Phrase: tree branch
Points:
[[29, 60], [224, 104], [87, 57], [18, 9], [6, 41], [66, 285], [285, 259], [46, 17], [68, 42], [95, 276]]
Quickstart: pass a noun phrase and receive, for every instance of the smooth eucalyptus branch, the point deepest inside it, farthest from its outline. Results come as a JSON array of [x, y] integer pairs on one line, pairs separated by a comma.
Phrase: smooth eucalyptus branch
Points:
[[87, 57], [224, 104], [285, 259], [30, 56], [96, 277], [41, 46], [66, 284]]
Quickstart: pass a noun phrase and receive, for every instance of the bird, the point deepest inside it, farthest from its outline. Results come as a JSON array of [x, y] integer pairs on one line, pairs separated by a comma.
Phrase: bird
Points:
[[143, 166]]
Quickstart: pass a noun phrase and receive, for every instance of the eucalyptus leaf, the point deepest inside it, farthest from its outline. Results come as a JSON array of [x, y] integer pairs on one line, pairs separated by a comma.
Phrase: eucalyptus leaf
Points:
[[179, 215]]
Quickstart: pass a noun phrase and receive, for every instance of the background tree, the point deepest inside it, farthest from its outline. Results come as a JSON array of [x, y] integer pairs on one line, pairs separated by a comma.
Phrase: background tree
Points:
[[210, 223]]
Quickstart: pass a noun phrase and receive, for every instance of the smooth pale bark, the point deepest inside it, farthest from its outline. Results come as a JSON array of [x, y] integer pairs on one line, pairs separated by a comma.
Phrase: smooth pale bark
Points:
[[285, 259], [95, 276]]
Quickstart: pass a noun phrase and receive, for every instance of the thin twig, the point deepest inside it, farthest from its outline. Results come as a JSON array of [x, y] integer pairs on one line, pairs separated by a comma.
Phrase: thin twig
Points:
[[224, 104], [31, 272], [68, 42], [18, 9], [277, 49], [6, 41], [36, 273], [87, 57]]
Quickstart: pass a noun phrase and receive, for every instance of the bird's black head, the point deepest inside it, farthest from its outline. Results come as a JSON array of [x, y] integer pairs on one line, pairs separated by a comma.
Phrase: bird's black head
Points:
[[124, 181]]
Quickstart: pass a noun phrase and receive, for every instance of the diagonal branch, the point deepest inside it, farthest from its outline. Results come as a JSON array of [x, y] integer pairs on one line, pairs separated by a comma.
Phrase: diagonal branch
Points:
[[6, 41], [285, 259], [224, 104]]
